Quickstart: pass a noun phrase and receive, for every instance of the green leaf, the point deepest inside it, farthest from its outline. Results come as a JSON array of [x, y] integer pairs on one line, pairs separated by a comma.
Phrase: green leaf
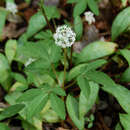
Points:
[[78, 27], [36, 105], [3, 126], [93, 6], [124, 2], [44, 35], [126, 54], [58, 105], [29, 95], [19, 77], [75, 71], [11, 111], [79, 8], [72, 108], [51, 12], [121, 23], [125, 121], [84, 85], [3, 15], [96, 50], [100, 78], [48, 53], [88, 98], [83, 68], [125, 77], [5, 75], [10, 49], [59, 91], [36, 23], [118, 127], [122, 95]]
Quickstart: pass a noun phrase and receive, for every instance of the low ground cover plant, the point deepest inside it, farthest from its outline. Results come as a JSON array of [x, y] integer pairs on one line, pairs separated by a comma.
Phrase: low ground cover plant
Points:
[[47, 81]]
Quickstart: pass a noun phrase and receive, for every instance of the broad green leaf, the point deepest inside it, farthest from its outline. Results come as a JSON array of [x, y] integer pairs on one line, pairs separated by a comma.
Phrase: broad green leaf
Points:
[[83, 68], [72, 108], [36, 23], [3, 126], [93, 65], [11, 111], [86, 101], [93, 5], [125, 77], [122, 95], [58, 106], [126, 54], [35, 121], [36, 105], [78, 27], [47, 53], [79, 8], [3, 15], [121, 23], [125, 121], [100, 78], [29, 95], [10, 49], [96, 50], [5, 73]]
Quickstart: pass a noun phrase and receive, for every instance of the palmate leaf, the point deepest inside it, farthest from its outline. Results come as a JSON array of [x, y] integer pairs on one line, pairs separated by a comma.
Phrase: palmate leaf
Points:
[[44, 53]]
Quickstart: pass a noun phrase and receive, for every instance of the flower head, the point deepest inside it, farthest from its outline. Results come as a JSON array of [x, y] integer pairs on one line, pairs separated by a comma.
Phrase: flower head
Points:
[[89, 17], [64, 36], [12, 7]]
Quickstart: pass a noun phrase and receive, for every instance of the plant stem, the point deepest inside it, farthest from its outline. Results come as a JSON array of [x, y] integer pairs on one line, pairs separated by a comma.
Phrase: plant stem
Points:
[[65, 53], [54, 71], [71, 84], [45, 16]]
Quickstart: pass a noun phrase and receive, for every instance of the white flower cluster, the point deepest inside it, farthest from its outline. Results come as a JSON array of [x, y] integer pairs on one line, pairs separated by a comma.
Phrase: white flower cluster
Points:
[[30, 60], [12, 7], [89, 17], [64, 36]]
